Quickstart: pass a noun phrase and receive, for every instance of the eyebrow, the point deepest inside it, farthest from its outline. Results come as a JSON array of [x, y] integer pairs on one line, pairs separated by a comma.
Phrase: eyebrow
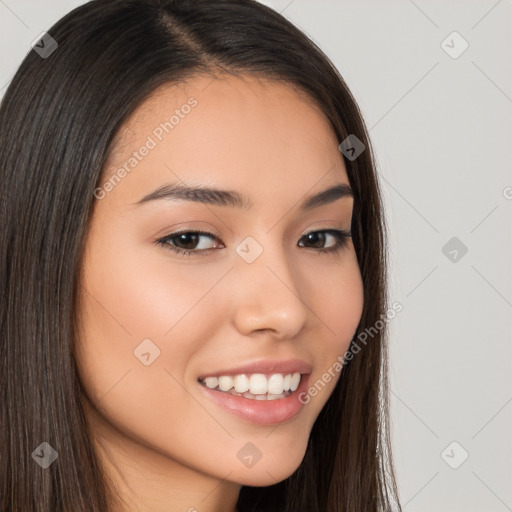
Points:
[[233, 199]]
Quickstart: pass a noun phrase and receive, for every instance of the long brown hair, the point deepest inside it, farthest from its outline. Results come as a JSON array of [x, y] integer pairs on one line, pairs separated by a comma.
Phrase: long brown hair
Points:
[[58, 119]]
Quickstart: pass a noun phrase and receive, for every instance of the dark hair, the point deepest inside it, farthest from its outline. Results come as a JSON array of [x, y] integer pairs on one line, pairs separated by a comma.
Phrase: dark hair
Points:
[[58, 121]]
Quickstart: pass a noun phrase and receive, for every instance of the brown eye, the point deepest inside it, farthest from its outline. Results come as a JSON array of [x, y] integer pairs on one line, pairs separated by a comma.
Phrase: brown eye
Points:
[[187, 242], [318, 239]]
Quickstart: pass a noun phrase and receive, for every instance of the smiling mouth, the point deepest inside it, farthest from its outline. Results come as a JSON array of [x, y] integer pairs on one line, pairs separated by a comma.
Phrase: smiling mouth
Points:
[[256, 386]]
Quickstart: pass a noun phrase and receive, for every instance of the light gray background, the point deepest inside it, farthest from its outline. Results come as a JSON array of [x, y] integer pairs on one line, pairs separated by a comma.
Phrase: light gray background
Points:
[[441, 127]]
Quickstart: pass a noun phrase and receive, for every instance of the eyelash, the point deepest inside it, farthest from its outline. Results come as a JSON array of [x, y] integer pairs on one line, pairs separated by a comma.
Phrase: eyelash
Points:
[[342, 237]]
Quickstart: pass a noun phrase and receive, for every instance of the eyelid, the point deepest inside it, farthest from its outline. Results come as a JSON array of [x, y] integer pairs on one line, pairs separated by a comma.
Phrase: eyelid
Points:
[[163, 241]]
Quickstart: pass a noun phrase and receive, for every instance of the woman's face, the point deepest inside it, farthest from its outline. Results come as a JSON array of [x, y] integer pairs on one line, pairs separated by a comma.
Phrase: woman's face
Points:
[[256, 290]]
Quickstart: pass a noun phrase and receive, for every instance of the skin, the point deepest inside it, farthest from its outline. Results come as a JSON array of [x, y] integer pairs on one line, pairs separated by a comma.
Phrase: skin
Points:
[[165, 444]]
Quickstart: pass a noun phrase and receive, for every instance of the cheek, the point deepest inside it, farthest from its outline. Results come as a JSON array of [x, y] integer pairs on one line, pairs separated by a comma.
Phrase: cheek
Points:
[[347, 307], [141, 293], [337, 301], [132, 295], [338, 306], [129, 300]]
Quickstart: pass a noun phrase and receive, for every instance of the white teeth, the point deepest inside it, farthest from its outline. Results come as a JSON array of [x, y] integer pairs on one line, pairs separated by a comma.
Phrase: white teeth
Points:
[[211, 382], [287, 382], [241, 383], [256, 386], [294, 384], [225, 383], [276, 397], [275, 384]]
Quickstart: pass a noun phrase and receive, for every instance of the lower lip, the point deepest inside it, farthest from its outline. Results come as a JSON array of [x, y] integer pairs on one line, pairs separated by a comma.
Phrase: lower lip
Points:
[[261, 412]]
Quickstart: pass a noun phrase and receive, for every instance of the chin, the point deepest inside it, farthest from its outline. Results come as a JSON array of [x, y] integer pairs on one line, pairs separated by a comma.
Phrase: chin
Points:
[[265, 474]]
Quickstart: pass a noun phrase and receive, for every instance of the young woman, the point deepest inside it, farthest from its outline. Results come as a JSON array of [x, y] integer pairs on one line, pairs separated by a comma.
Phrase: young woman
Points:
[[192, 257]]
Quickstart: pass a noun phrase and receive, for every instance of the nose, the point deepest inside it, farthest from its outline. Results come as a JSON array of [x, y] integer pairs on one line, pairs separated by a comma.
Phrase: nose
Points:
[[268, 295]]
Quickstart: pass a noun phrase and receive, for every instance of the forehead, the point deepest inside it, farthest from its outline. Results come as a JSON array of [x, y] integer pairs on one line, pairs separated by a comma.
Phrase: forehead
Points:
[[264, 138]]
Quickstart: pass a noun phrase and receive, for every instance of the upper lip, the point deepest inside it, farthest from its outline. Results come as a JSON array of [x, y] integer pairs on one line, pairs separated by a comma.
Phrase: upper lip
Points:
[[284, 366]]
